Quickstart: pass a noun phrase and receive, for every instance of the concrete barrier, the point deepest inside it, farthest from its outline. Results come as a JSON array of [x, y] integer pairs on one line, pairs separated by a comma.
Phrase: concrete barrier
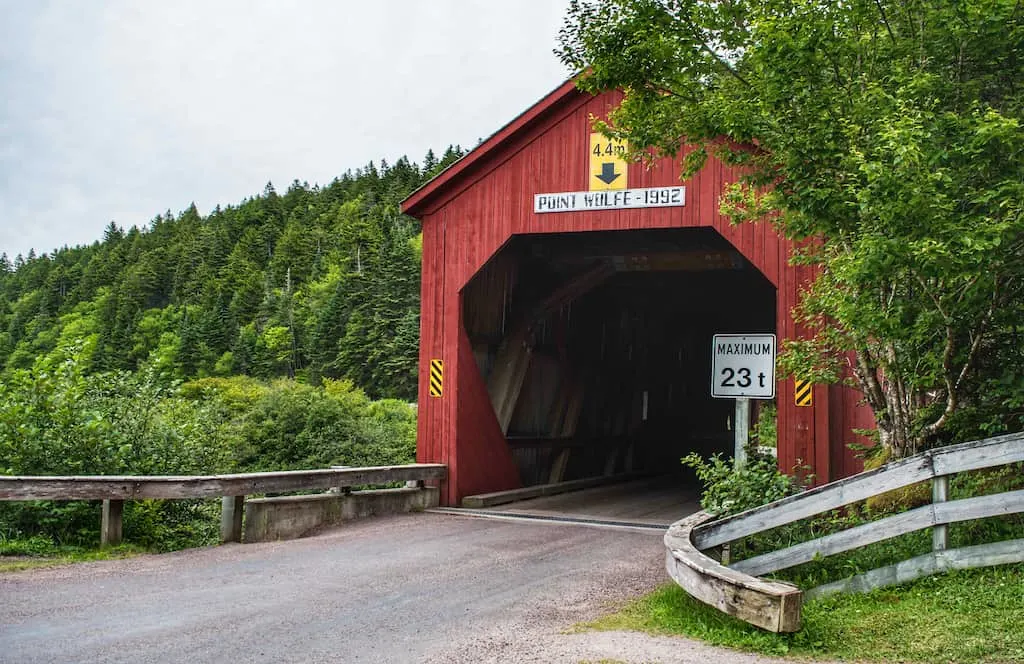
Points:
[[290, 517]]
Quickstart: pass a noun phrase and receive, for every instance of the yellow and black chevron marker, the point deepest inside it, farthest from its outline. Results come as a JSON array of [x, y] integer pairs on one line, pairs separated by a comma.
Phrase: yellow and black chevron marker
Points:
[[803, 394], [436, 378]]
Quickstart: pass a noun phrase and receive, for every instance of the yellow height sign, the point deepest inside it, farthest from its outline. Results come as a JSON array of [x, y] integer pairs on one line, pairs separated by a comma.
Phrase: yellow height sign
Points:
[[803, 392], [436, 378], [607, 163]]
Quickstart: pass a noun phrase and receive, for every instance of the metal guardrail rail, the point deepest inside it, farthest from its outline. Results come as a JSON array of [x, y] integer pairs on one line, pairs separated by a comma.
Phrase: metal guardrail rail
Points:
[[775, 606], [232, 489]]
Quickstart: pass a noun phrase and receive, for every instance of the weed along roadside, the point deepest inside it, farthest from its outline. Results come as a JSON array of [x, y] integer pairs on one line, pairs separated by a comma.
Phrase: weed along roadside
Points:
[[885, 580], [20, 555], [968, 616]]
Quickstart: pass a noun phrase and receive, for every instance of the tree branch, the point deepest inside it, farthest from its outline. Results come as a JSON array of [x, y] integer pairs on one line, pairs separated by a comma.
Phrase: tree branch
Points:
[[885, 21], [953, 386], [934, 297], [866, 372], [698, 37]]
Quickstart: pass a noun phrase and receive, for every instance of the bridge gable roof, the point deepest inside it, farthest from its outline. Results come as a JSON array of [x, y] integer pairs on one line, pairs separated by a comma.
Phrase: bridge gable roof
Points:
[[495, 150]]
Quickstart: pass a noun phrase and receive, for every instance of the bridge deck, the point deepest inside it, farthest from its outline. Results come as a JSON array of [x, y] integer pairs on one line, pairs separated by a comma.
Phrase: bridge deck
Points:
[[652, 501]]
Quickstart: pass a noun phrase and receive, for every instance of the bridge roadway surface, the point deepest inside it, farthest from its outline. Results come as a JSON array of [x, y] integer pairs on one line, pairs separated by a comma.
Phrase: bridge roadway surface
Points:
[[412, 588]]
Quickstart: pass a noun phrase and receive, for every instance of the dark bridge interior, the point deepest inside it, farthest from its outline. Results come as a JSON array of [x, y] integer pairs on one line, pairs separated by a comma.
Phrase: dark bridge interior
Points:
[[596, 347]]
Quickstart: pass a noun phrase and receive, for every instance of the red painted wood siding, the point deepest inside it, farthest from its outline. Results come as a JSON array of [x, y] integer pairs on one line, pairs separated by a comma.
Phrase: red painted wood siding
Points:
[[491, 199], [483, 456]]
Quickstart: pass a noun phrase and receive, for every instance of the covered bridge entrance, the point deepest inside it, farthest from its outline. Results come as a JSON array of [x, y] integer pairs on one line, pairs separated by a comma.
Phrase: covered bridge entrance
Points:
[[568, 305]]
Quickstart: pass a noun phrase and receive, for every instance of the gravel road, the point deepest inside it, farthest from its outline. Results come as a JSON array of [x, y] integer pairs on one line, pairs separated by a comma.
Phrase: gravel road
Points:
[[415, 588]]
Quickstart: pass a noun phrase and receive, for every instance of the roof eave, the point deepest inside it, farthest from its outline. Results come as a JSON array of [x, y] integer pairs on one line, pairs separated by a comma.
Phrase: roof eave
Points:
[[415, 203]]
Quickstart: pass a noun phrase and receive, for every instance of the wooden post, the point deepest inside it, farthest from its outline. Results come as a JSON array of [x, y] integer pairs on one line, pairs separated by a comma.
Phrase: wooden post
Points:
[[557, 473], [610, 461], [742, 429], [508, 374], [111, 523], [940, 532], [231, 510]]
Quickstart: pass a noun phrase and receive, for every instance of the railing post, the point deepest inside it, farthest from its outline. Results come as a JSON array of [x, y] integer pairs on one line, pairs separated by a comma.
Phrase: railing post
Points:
[[940, 532], [231, 510], [111, 523]]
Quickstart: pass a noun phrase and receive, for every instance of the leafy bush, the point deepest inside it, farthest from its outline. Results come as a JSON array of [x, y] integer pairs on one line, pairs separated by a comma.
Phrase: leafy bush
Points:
[[897, 500], [729, 491], [286, 425], [168, 525], [37, 545], [764, 433], [57, 419]]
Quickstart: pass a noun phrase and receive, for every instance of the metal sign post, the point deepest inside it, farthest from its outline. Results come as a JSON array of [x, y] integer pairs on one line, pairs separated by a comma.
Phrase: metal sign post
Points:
[[742, 428], [742, 368]]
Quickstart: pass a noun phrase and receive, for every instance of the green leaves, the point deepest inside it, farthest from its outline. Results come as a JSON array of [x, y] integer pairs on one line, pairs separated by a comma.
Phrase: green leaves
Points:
[[888, 143], [321, 282], [63, 421], [728, 490]]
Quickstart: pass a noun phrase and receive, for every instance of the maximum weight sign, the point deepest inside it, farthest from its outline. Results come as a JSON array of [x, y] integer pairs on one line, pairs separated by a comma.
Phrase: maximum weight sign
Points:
[[743, 366]]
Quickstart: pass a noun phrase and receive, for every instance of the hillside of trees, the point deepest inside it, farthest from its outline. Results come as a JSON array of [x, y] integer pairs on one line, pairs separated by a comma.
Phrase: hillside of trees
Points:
[[279, 333], [314, 283]]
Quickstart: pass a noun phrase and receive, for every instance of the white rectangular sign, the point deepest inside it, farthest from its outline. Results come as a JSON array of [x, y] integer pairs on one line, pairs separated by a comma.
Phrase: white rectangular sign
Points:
[[743, 366], [576, 201]]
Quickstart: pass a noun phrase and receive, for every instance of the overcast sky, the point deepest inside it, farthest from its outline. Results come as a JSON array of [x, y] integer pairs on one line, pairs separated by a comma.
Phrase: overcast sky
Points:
[[118, 110]]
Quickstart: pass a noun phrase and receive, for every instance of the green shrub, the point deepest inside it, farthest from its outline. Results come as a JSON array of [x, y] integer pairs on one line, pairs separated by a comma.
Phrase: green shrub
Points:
[[729, 491], [57, 419], [285, 425], [764, 433], [168, 525], [37, 545]]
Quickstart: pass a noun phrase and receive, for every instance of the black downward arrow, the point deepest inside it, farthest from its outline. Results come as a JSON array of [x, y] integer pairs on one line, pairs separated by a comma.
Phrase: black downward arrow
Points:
[[608, 174]]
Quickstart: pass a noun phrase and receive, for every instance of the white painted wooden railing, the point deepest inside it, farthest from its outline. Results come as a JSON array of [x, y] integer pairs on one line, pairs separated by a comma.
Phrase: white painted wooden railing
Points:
[[736, 588]]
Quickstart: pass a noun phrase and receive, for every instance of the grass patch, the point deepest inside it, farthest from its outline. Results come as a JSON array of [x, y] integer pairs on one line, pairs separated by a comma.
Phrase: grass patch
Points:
[[973, 616], [22, 554]]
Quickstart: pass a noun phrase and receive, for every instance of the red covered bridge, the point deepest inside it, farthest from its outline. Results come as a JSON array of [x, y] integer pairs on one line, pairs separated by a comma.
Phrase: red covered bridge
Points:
[[568, 305]]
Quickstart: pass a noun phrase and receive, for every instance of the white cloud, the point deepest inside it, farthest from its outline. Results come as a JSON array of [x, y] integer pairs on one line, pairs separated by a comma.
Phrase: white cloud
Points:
[[123, 112]]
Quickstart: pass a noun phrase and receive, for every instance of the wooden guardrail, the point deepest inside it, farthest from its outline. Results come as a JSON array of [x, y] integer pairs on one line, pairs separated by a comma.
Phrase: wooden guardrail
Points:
[[232, 489], [737, 590]]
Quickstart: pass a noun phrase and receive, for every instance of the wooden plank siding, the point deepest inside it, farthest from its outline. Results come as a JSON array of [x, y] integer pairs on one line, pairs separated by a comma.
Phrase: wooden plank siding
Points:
[[481, 444], [475, 207]]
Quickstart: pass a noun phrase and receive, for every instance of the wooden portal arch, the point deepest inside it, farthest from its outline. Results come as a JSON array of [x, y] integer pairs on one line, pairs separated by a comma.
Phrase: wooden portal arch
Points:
[[478, 205]]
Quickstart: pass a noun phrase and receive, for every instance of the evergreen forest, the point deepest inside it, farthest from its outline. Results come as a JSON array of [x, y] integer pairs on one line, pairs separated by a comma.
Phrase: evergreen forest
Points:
[[279, 333]]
